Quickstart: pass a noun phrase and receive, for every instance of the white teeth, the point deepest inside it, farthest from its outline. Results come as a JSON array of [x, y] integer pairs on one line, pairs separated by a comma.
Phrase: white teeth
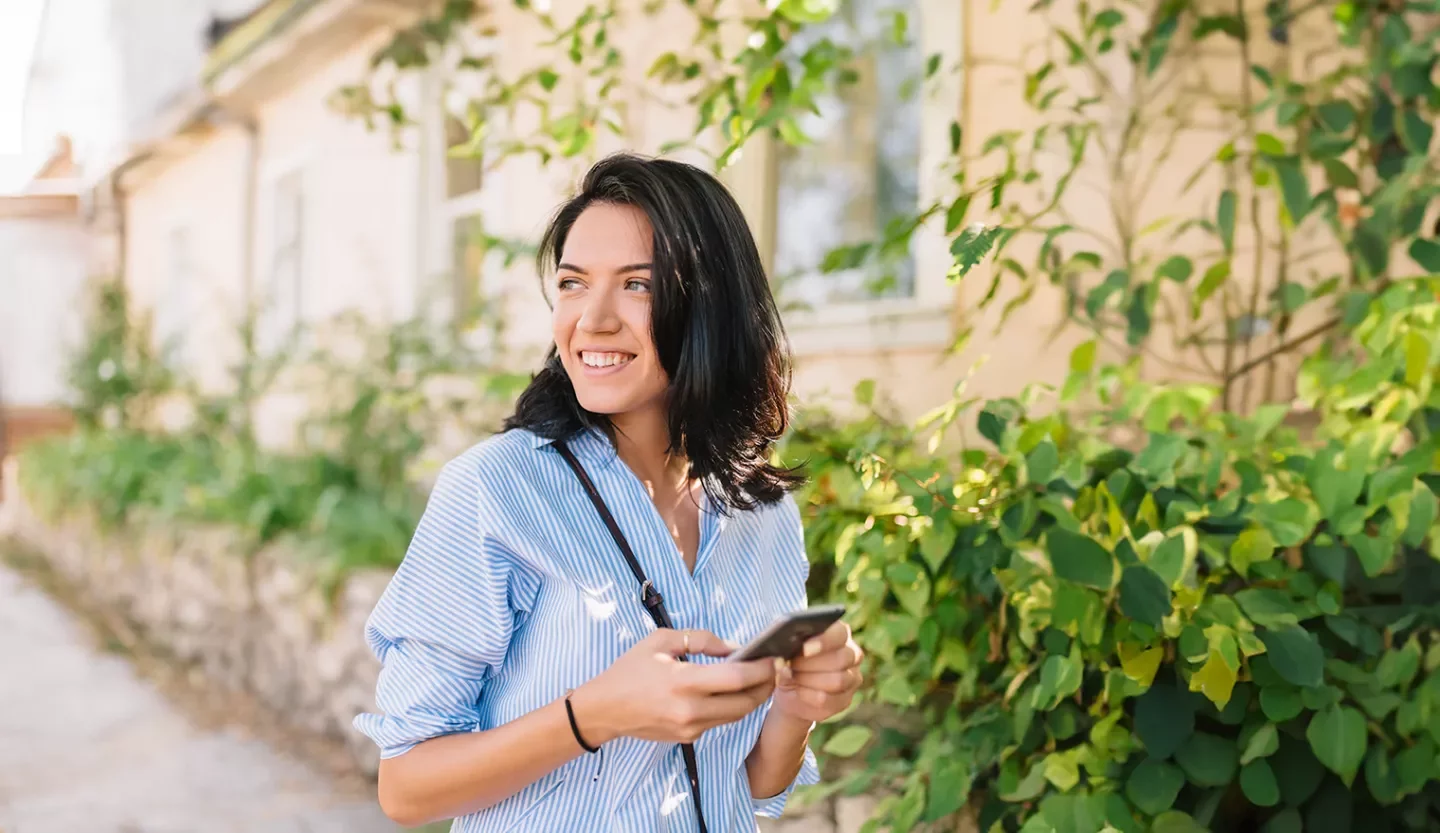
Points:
[[604, 359]]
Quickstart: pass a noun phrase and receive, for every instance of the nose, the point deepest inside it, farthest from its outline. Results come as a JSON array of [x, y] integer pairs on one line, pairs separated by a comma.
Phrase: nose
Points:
[[599, 314]]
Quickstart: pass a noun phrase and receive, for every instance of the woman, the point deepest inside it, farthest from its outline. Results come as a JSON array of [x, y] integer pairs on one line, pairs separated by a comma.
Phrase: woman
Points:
[[524, 685]]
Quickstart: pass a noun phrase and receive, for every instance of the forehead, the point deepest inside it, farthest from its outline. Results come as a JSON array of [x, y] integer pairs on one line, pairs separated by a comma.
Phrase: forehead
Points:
[[607, 235]]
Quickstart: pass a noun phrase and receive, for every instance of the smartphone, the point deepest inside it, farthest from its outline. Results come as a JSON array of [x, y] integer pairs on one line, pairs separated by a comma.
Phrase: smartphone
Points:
[[787, 635]]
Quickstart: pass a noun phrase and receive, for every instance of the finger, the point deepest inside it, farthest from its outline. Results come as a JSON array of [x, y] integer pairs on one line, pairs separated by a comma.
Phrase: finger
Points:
[[679, 643], [830, 682], [728, 677], [714, 709], [833, 638], [847, 655]]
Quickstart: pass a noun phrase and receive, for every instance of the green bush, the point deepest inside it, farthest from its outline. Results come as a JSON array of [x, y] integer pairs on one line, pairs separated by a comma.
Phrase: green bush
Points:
[[1229, 625]]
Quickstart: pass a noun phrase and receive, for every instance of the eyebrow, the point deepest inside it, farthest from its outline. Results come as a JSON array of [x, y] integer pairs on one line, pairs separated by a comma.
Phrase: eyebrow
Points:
[[633, 267]]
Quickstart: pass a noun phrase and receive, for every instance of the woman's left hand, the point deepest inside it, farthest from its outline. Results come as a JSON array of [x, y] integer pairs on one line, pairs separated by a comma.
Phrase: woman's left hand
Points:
[[821, 682]]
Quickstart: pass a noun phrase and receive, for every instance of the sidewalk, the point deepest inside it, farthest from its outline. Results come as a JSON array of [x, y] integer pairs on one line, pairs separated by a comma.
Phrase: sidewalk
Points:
[[88, 746]]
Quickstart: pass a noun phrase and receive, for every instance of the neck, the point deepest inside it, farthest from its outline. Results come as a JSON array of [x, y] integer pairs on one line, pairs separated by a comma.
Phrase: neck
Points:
[[642, 440]]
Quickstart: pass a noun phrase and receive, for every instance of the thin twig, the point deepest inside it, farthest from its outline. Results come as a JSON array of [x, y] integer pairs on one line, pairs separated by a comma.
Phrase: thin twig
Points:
[[1318, 329]]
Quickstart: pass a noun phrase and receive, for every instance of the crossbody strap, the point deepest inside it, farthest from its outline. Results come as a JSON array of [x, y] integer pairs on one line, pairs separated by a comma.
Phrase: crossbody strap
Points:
[[650, 597]]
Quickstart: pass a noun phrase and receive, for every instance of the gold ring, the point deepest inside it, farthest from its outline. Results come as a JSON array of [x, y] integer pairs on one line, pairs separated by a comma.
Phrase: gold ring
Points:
[[686, 636]]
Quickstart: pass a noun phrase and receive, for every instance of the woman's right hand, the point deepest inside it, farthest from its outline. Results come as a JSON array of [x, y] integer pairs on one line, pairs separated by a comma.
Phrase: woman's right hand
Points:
[[649, 693]]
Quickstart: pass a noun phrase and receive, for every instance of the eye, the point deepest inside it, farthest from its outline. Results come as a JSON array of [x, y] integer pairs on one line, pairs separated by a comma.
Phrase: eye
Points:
[[638, 285], [567, 283]]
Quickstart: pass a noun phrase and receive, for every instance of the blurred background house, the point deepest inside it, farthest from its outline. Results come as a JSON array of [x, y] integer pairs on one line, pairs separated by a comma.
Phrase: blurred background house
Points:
[[214, 172]]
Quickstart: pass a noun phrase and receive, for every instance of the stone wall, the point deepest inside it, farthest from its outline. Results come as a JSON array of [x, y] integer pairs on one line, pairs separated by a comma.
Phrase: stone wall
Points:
[[253, 620]]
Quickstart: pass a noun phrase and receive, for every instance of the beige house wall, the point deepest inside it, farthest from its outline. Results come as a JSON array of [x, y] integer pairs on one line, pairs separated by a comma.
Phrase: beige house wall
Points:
[[374, 237]]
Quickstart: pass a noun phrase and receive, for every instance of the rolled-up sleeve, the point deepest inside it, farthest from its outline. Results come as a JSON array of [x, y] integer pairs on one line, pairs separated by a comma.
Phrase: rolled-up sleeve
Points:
[[792, 571], [444, 623]]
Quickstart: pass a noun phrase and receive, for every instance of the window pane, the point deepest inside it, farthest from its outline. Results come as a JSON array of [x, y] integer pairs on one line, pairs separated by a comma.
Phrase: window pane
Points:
[[468, 264], [463, 175], [862, 168], [282, 308]]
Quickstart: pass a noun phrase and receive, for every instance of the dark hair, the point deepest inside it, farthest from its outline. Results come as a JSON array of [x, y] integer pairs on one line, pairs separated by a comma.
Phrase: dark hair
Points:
[[714, 323]]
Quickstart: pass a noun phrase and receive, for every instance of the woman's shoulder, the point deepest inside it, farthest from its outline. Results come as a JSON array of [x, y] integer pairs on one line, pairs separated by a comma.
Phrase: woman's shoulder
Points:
[[500, 455]]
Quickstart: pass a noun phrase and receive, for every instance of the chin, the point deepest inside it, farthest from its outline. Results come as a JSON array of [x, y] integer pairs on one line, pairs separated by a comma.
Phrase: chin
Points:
[[605, 404]]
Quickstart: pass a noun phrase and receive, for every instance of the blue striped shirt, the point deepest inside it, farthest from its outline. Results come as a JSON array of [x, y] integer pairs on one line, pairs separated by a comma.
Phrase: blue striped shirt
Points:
[[512, 591]]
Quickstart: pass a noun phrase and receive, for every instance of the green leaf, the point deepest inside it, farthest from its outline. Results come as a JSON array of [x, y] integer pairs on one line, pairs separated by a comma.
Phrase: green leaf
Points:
[[1174, 821], [1338, 174], [1263, 743], [865, 391], [1082, 358], [1286, 821], [1336, 490], [1269, 145], [972, 245], [1416, 766], [956, 215], [1427, 254], [1289, 520], [1380, 776], [1168, 560], [910, 585], [1208, 760], [1280, 704], [1215, 679], [1268, 607], [950, 784], [807, 11], [1159, 457], [1154, 785], [937, 543], [1375, 554], [848, 741], [1041, 462], [1164, 719], [1144, 596], [1251, 547], [1062, 770], [1060, 677], [1215, 277], [1297, 770], [991, 426], [1423, 506], [1176, 268], [1337, 736], [548, 79], [1225, 220], [1076, 558], [1293, 188], [1398, 667], [1258, 782], [1295, 655]]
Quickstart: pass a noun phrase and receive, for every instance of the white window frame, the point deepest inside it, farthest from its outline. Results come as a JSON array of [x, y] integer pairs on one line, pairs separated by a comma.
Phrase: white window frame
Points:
[[487, 203], [176, 307], [271, 331], [925, 318]]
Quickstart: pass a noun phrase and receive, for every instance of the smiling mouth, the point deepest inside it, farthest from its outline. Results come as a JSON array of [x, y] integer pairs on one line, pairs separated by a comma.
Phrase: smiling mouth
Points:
[[604, 360]]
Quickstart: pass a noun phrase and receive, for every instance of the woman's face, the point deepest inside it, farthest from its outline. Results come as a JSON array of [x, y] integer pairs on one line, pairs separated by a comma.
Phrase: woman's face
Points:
[[601, 316]]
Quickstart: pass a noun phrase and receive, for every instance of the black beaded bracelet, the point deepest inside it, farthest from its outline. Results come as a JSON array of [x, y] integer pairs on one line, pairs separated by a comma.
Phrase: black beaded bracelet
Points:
[[575, 727]]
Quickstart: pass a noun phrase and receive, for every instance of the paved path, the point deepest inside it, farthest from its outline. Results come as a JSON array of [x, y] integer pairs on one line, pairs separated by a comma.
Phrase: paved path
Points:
[[88, 746]]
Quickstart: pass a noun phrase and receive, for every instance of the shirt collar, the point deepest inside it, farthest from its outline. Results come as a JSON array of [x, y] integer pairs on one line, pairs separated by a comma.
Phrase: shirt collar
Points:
[[589, 444]]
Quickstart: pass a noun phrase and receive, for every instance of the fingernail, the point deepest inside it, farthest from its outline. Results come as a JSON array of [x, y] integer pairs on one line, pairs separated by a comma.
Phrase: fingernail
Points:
[[812, 647], [734, 646], [779, 665]]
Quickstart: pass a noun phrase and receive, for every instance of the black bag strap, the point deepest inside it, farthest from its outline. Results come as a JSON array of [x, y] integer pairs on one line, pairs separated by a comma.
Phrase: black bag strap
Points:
[[649, 597]]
